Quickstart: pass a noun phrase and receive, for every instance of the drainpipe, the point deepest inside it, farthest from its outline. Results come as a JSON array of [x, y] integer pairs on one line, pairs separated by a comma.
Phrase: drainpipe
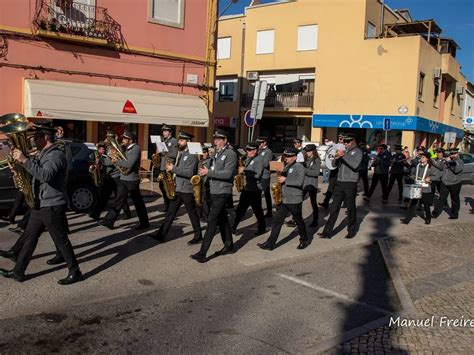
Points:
[[382, 14]]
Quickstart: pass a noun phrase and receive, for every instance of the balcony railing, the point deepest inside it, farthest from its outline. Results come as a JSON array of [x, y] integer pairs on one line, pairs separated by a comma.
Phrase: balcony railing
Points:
[[283, 100], [73, 18]]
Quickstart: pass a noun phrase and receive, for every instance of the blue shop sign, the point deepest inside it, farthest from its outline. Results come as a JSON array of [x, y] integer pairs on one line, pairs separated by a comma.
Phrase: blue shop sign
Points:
[[402, 123]]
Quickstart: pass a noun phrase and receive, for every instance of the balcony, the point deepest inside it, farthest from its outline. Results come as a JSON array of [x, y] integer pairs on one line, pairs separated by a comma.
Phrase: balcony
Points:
[[283, 100], [69, 20]]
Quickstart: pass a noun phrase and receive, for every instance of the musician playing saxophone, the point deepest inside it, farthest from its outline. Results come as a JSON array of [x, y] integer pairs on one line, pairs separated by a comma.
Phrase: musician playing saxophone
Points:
[[186, 166], [292, 180], [252, 193], [129, 183], [172, 146]]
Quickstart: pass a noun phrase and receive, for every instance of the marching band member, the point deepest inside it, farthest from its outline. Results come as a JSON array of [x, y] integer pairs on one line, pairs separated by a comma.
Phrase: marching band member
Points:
[[422, 174], [310, 184], [252, 192], [129, 183], [451, 182], [220, 173], [332, 180], [172, 145], [397, 171], [292, 180], [186, 166], [206, 196], [438, 163], [381, 167], [266, 155], [345, 189], [364, 166]]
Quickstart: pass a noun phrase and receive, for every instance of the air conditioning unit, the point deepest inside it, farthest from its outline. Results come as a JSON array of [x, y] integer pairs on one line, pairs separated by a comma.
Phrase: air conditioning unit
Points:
[[459, 89], [252, 75], [437, 73]]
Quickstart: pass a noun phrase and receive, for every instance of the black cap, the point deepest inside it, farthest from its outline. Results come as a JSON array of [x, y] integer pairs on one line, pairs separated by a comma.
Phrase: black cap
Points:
[[439, 150], [165, 127], [398, 147], [310, 147], [129, 135], [454, 151], [220, 133], [349, 137], [262, 139], [184, 135], [425, 154], [420, 147], [44, 126], [205, 149], [290, 152], [251, 146], [297, 140]]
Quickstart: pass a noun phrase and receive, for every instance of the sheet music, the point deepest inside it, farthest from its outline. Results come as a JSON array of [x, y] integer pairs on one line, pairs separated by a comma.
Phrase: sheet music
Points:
[[161, 147], [155, 139], [194, 147]]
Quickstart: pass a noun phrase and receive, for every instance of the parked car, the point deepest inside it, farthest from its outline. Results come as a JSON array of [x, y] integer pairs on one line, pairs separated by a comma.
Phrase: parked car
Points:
[[81, 191], [468, 172]]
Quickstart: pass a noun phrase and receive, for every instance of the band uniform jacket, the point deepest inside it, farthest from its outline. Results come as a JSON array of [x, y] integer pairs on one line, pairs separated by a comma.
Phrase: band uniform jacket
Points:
[[222, 168], [313, 167], [398, 163], [253, 173], [421, 170], [186, 166], [349, 165], [132, 154], [49, 176], [292, 189], [110, 169], [364, 164], [382, 163], [172, 145], [266, 155], [452, 170], [438, 165]]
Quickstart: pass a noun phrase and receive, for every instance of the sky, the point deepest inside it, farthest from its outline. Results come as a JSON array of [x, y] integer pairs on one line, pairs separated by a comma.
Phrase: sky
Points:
[[455, 17]]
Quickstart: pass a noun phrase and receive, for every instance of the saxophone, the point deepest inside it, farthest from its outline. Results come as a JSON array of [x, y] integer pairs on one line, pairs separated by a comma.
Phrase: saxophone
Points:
[[197, 182], [168, 181], [277, 190], [156, 160], [96, 171], [15, 126], [114, 151], [239, 178]]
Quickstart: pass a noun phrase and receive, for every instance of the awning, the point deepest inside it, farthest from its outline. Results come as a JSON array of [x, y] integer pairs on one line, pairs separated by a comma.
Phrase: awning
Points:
[[86, 102]]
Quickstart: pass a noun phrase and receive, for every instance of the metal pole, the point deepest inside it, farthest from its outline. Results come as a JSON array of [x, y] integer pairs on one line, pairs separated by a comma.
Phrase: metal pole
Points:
[[386, 134]]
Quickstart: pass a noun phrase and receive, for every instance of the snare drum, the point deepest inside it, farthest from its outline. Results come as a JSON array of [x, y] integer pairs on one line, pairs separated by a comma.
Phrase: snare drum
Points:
[[412, 191]]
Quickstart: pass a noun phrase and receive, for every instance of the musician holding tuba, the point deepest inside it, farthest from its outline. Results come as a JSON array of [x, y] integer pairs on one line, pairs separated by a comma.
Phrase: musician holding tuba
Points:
[[129, 183], [172, 146], [252, 192], [186, 166], [292, 180]]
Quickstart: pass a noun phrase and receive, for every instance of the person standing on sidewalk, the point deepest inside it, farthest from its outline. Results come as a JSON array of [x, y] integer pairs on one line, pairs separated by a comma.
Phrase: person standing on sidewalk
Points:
[[397, 171], [266, 155], [345, 190], [292, 180], [220, 174], [364, 166], [310, 184], [451, 182], [381, 167]]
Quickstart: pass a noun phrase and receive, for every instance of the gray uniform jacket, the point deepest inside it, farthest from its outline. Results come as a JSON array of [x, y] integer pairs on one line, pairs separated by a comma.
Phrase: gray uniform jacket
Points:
[[49, 176], [222, 168], [186, 166], [292, 190], [421, 171], [349, 165], [438, 165], [398, 163], [266, 155], [382, 163], [313, 167], [132, 153], [253, 173], [172, 145], [109, 168], [452, 172]]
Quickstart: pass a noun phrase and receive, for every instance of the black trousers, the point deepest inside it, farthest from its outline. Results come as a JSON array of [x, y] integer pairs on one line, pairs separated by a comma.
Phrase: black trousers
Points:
[[19, 200], [436, 186], [123, 189], [453, 191], [364, 176], [399, 179], [313, 196], [105, 191], [163, 192], [281, 213], [24, 221], [268, 194], [343, 192], [383, 178], [426, 200], [330, 190], [188, 200], [247, 199], [53, 218], [217, 218]]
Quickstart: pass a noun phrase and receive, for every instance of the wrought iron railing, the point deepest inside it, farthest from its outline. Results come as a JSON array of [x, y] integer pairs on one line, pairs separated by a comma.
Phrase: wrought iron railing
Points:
[[283, 100], [74, 18]]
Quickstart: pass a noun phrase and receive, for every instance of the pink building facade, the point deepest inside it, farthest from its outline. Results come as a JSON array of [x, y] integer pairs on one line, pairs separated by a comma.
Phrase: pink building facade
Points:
[[95, 64]]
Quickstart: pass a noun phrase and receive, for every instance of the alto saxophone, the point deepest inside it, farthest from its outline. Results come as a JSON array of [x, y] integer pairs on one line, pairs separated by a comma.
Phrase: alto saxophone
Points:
[[239, 178], [96, 171], [277, 190], [168, 181]]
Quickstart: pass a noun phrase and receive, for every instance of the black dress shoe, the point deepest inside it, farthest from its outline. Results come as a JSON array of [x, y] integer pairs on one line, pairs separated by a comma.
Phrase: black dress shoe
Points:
[[404, 221], [58, 259], [11, 274], [323, 205], [323, 235], [17, 230], [291, 223], [350, 236], [266, 246], [106, 223], [428, 221], [141, 227], [226, 250], [434, 215], [260, 232], [9, 254], [453, 217], [199, 258], [72, 278], [303, 245], [195, 241], [157, 236]]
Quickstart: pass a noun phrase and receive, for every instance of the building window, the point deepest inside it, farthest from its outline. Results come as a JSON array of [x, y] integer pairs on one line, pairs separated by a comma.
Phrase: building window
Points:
[[265, 41], [223, 47], [436, 93], [167, 12], [469, 111], [371, 30], [227, 90], [421, 83], [307, 38]]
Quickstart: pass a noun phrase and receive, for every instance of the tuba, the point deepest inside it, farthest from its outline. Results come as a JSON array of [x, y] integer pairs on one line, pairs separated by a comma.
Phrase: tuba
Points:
[[15, 126], [239, 178], [168, 181], [114, 151], [96, 171]]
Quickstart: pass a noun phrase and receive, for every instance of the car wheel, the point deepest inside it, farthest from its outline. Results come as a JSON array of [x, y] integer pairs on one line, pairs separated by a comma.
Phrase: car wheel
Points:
[[82, 198]]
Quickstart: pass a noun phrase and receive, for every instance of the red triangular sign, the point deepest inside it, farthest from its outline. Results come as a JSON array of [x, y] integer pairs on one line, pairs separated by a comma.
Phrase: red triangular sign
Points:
[[128, 107], [39, 114]]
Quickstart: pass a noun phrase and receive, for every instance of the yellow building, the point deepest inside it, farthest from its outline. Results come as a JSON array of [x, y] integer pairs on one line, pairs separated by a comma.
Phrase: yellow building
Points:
[[332, 66]]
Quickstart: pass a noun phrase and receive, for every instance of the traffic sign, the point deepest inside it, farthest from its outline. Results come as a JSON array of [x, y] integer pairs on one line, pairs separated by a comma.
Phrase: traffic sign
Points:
[[386, 124], [249, 120]]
